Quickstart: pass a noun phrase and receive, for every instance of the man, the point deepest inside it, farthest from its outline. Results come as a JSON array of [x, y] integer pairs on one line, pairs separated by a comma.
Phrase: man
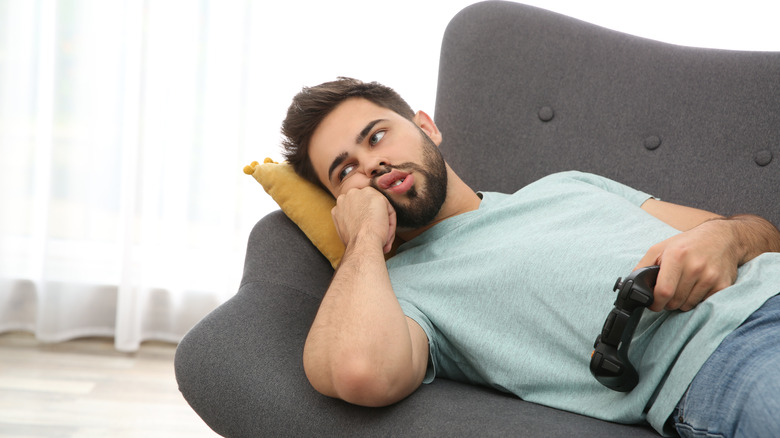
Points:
[[504, 290]]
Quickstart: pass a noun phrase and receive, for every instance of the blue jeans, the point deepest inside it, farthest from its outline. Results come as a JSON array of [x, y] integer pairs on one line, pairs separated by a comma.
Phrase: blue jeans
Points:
[[737, 391]]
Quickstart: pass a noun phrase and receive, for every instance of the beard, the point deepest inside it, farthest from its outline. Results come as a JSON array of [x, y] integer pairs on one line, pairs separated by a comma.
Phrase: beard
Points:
[[422, 206]]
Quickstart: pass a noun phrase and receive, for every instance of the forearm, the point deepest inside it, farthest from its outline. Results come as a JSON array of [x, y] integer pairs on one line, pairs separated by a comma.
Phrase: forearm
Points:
[[751, 236], [359, 347]]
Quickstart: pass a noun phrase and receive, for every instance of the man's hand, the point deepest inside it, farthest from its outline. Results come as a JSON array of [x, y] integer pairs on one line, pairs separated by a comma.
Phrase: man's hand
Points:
[[694, 265], [704, 259], [365, 212]]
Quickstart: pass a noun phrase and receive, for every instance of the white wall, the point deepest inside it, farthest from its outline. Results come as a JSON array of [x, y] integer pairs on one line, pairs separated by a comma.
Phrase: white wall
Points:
[[397, 42]]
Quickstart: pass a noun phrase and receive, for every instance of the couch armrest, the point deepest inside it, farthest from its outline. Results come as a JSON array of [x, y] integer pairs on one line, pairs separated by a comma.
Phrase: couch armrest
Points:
[[241, 370]]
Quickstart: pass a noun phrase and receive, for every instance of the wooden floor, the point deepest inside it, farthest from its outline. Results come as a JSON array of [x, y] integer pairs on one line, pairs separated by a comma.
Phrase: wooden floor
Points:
[[84, 388]]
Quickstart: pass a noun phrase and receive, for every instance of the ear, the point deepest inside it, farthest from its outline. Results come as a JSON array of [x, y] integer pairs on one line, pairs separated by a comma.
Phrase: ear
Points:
[[425, 122]]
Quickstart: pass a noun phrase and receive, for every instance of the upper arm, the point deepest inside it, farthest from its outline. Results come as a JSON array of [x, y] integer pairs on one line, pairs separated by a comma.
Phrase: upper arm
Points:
[[677, 216]]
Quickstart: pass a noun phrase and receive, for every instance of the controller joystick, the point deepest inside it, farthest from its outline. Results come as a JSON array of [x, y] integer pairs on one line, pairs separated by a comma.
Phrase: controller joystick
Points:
[[609, 361]]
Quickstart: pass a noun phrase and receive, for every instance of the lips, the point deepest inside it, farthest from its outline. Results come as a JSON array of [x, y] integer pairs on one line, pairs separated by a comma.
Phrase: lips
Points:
[[395, 181]]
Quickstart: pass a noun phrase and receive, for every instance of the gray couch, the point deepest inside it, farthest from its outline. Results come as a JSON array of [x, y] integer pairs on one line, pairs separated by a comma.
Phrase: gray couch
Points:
[[522, 92]]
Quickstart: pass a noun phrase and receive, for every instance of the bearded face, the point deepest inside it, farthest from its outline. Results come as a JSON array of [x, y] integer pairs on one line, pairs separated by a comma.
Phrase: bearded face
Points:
[[423, 201]]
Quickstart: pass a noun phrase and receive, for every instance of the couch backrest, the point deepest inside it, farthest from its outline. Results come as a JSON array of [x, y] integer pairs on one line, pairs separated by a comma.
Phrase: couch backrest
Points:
[[524, 92]]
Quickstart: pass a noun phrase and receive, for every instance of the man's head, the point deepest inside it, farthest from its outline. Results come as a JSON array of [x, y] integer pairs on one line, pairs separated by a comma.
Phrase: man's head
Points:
[[313, 104], [347, 134]]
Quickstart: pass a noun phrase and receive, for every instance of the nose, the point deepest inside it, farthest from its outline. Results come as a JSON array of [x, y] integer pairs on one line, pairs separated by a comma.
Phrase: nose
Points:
[[374, 165]]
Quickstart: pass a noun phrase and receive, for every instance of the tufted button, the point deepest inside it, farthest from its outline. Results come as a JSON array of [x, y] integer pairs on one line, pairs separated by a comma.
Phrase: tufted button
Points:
[[652, 142], [763, 157], [546, 114]]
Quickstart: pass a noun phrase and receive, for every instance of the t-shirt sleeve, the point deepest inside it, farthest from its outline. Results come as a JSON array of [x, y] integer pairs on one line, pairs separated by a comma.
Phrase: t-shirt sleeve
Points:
[[413, 312], [631, 194]]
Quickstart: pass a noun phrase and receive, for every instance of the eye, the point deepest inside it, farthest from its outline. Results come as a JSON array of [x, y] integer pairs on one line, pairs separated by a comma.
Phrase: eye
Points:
[[376, 138], [346, 171]]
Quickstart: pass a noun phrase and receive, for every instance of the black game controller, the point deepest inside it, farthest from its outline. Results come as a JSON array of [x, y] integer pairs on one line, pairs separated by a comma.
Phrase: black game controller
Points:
[[609, 362]]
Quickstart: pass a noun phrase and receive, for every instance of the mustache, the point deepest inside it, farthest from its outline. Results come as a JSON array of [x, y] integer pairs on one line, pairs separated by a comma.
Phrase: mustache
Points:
[[408, 167]]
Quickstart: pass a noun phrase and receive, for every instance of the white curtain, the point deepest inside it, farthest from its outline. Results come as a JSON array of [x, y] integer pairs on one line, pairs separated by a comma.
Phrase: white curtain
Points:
[[123, 131], [124, 128]]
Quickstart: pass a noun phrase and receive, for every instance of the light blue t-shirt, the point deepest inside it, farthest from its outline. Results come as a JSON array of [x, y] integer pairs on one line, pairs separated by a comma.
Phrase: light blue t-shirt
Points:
[[513, 295]]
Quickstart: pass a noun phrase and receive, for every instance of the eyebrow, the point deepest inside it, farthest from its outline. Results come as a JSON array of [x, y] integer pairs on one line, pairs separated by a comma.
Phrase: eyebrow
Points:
[[358, 140], [336, 163], [362, 136]]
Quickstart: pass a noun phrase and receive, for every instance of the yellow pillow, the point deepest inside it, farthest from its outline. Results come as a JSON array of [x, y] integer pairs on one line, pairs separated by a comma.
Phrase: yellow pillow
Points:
[[306, 204]]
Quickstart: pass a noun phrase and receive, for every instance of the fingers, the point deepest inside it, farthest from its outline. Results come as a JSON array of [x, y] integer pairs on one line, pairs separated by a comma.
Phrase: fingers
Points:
[[687, 295], [652, 258], [365, 212], [665, 286], [686, 278], [675, 290]]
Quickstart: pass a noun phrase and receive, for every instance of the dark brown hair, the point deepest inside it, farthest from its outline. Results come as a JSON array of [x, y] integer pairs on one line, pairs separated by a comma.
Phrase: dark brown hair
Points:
[[313, 104]]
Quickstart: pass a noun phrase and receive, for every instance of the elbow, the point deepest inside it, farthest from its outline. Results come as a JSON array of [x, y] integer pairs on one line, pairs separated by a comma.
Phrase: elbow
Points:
[[362, 384], [358, 381]]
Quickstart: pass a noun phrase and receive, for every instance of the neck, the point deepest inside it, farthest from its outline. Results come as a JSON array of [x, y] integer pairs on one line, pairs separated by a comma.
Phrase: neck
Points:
[[460, 199]]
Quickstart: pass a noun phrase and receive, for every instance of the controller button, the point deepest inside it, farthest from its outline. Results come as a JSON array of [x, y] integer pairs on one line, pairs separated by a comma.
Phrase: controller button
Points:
[[639, 297], [618, 284], [596, 357], [610, 366], [609, 323]]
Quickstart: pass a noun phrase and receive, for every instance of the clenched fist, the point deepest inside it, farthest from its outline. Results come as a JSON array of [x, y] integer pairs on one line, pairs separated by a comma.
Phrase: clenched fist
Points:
[[365, 213]]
